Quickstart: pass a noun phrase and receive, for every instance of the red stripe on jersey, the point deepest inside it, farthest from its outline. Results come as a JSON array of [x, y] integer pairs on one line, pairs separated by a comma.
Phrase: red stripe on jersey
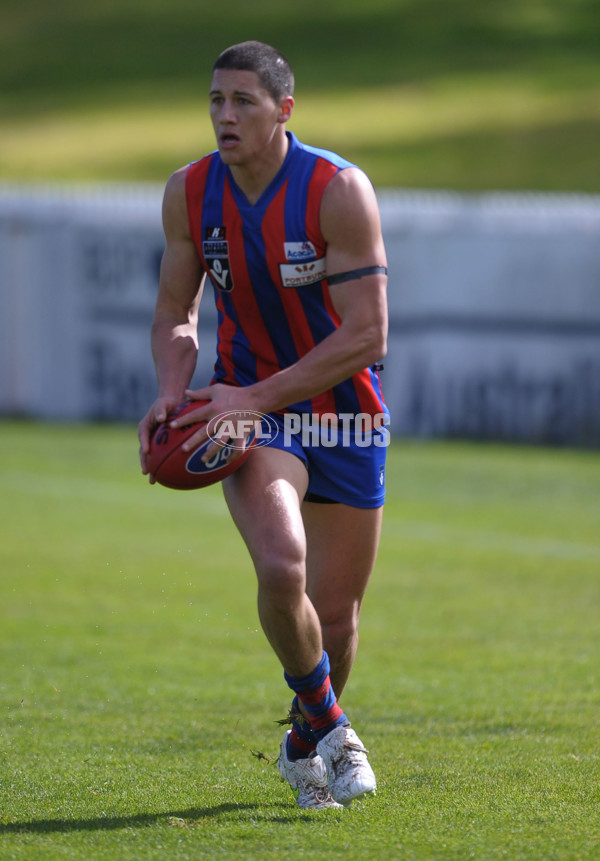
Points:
[[274, 237], [225, 334], [249, 318], [367, 397], [324, 171], [195, 181]]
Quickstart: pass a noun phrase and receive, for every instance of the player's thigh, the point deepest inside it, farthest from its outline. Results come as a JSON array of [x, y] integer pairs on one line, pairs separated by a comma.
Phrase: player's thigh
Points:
[[264, 498], [342, 543]]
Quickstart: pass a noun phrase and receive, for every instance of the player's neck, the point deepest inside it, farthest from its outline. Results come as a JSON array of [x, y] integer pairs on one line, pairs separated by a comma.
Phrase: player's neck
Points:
[[254, 178]]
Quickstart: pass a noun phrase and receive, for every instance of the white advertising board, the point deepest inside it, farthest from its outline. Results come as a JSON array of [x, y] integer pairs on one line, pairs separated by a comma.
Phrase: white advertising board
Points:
[[494, 310]]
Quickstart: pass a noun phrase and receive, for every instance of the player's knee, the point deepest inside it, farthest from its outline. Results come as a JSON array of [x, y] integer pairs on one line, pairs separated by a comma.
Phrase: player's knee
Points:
[[342, 630], [281, 574]]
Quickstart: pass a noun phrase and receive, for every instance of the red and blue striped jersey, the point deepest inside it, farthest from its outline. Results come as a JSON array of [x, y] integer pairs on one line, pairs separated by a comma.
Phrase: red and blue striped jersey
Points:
[[266, 262]]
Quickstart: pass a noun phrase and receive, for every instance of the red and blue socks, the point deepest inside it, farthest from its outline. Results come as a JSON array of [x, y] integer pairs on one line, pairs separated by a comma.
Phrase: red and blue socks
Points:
[[324, 714]]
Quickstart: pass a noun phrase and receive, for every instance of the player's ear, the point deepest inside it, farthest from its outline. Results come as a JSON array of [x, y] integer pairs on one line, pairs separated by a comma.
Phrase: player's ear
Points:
[[286, 106]]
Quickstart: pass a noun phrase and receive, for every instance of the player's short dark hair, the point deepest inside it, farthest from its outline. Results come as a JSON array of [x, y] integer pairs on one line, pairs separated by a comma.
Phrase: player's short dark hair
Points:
[[272, 68]]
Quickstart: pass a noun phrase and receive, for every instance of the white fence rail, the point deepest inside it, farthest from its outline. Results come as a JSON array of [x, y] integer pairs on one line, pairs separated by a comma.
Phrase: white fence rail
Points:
[[494, 310]]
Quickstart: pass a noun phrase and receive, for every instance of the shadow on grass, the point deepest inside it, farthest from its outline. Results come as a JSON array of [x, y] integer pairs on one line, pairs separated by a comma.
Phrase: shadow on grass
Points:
[[181, 818]]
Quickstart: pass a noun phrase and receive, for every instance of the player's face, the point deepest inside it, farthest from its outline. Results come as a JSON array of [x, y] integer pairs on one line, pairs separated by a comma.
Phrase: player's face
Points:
[[246, 119]]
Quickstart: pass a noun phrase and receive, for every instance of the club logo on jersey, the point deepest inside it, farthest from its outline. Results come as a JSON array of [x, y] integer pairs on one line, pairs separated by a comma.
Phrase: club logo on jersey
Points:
[[298, 251], [215, 249]]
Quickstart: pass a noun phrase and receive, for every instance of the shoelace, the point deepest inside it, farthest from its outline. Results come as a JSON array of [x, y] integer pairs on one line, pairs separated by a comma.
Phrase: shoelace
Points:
[[351, 745], [321, 793]]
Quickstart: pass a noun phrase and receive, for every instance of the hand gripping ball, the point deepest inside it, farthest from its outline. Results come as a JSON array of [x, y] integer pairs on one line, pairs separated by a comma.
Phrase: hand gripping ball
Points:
[[173, 467]]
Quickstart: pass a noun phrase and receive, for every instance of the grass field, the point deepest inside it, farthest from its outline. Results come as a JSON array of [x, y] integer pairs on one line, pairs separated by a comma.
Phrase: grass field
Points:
[[135, 684], [420, 93]]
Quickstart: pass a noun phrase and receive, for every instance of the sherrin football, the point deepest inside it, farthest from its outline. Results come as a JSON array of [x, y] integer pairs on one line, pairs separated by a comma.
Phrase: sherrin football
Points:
[[173, 467]]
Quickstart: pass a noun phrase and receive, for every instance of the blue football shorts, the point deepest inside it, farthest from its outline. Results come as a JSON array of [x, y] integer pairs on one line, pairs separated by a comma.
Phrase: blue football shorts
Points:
[[345, 464]]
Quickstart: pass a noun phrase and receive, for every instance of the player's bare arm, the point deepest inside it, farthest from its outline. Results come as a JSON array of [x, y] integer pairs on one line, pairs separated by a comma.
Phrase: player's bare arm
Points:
[[174, 335]]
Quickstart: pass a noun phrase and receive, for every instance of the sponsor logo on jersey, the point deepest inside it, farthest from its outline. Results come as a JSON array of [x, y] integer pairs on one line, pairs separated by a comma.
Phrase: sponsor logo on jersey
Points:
[[215, 232], [295, 251], [302, 274]]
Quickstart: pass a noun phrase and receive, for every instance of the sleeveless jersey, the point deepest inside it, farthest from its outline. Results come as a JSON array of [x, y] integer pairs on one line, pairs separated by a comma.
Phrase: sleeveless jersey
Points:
[[266, 262]]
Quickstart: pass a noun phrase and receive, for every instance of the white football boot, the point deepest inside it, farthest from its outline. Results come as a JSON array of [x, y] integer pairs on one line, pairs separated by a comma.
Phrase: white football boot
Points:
[[308, 779], [348, 771]]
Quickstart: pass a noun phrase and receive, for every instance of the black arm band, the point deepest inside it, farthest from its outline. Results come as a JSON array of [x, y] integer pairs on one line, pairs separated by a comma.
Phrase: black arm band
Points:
[[353, 274]]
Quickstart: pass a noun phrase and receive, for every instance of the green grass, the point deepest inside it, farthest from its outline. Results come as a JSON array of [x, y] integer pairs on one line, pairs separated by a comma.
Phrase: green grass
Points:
[[420, 93], [135, 682]]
